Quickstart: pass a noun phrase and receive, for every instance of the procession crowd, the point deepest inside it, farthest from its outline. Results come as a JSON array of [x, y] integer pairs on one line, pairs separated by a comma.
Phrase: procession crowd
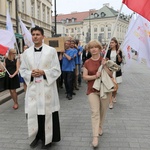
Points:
[[42, 71]]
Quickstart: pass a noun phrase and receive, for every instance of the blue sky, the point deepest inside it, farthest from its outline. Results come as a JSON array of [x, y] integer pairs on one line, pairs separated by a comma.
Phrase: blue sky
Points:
[[68, 6]]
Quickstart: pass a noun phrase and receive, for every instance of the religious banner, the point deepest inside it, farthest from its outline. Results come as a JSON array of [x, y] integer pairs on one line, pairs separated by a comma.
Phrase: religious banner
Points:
[[139, 39]]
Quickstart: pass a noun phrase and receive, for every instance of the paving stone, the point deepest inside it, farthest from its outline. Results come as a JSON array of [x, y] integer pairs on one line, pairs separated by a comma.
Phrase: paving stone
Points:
[[127, 126]]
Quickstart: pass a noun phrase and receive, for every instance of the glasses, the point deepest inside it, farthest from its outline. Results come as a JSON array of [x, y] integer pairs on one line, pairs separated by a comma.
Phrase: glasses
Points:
[[14, 53]]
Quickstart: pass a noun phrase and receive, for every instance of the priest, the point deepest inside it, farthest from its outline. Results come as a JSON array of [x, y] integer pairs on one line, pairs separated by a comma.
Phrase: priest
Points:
[[40, 69]]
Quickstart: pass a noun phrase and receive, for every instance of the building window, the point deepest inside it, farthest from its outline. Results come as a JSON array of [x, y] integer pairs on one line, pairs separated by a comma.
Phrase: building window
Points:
[[95, 36], [109, 28], [44, 13], [78, 36], [117, 28], [32, 8], [78, 29], [73, 19], [109, 35], [120, 28], [101, 35], [102, 29], [48, 15], [67, 20], [38, 12], [10, 7], [72, 30], [66, 30], [23, 6], [95, 29]]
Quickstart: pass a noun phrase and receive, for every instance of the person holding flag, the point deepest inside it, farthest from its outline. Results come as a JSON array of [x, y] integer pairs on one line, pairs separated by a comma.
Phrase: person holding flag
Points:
[[115, 55]]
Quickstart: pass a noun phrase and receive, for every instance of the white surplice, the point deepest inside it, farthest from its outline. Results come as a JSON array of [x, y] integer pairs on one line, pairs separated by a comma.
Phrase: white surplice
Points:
[[41, 98]]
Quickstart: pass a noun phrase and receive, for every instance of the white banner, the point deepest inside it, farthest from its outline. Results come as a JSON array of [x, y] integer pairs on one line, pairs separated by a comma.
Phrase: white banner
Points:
[[138, 38], [26, 34], [9, 26], [6, 38]]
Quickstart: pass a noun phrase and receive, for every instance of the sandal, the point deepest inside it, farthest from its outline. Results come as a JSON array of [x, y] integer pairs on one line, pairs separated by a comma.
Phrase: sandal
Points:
[[100, 132], [95, 142], [15, 106], [111, 106]]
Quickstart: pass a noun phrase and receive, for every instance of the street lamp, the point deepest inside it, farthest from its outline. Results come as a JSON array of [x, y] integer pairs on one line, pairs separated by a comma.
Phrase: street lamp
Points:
[[89, 30], [17, 28], [89, 26], [55, 17]]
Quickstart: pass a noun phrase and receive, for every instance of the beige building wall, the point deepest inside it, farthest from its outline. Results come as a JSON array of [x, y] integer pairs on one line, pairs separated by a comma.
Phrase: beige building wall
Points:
[[98, 27], [38, 10], [75, 31], [104, 27]]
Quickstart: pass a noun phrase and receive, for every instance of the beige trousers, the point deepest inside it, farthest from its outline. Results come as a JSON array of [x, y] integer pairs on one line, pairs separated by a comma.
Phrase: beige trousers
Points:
[[98, 111]]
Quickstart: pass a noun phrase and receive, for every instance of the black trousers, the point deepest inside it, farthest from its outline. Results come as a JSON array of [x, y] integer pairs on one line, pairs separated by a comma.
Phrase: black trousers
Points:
[[56, 127], [68, 80], [80, 75]]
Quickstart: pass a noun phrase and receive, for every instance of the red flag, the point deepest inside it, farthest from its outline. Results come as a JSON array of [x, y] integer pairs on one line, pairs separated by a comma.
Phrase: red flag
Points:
[[141, 7], [3, 49]]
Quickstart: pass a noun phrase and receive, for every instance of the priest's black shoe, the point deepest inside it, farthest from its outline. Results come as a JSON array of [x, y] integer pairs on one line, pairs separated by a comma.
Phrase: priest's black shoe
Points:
[[69, 97], [34, 143], [45, 146]]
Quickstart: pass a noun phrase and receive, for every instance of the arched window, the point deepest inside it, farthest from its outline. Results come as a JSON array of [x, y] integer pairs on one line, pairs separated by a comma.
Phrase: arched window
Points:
[[102, 29]]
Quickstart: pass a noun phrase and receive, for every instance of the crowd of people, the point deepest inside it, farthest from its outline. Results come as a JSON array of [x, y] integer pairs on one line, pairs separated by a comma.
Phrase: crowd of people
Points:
[[40, 67]]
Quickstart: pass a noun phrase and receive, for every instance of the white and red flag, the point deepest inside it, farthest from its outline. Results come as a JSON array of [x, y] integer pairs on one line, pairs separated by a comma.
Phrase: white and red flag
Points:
[[26, 34], [141, 7]]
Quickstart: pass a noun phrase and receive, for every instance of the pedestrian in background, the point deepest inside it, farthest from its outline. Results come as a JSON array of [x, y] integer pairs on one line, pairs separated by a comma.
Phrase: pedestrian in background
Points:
[[115, 55], [12, 80], [40, 69], [80, 50], [76, 70], [68, 66], [103, 50], [20, 78], [86, 54], [90, 74]]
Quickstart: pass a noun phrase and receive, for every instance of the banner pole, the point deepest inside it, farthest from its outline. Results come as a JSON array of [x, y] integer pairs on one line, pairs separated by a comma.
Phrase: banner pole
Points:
[[113, 30], [112, 34], [5, 68]]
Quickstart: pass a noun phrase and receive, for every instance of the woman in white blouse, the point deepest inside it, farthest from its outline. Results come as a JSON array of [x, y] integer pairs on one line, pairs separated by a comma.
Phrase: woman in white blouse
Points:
[[115, 55]]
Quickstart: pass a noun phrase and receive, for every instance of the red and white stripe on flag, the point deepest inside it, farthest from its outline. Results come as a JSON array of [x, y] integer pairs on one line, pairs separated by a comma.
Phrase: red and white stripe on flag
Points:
[[141, 7], [3, 49]]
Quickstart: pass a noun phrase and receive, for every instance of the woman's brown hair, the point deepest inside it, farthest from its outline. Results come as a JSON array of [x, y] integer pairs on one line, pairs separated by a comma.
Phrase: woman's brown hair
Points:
[[117, 44]]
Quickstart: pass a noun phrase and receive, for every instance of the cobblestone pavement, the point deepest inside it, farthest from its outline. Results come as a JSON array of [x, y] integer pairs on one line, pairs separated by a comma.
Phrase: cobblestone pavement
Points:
[[127, 126]]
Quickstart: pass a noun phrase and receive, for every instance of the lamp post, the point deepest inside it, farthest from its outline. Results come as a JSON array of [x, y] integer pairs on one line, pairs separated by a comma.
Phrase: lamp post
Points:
[[90, 13], [55, 17], [89, 26], [17, 28]]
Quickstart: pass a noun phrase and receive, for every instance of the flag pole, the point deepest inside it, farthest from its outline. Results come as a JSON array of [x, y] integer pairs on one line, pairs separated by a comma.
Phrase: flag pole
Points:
[[5, 68], [113, 30], [112, 34]]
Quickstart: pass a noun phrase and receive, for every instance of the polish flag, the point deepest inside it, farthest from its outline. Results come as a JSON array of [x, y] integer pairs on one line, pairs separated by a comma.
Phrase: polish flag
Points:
[[141, 7], [3, 49]]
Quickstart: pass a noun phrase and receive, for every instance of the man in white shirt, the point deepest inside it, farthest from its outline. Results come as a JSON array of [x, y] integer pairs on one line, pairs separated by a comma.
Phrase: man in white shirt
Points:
[[40, 69]]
